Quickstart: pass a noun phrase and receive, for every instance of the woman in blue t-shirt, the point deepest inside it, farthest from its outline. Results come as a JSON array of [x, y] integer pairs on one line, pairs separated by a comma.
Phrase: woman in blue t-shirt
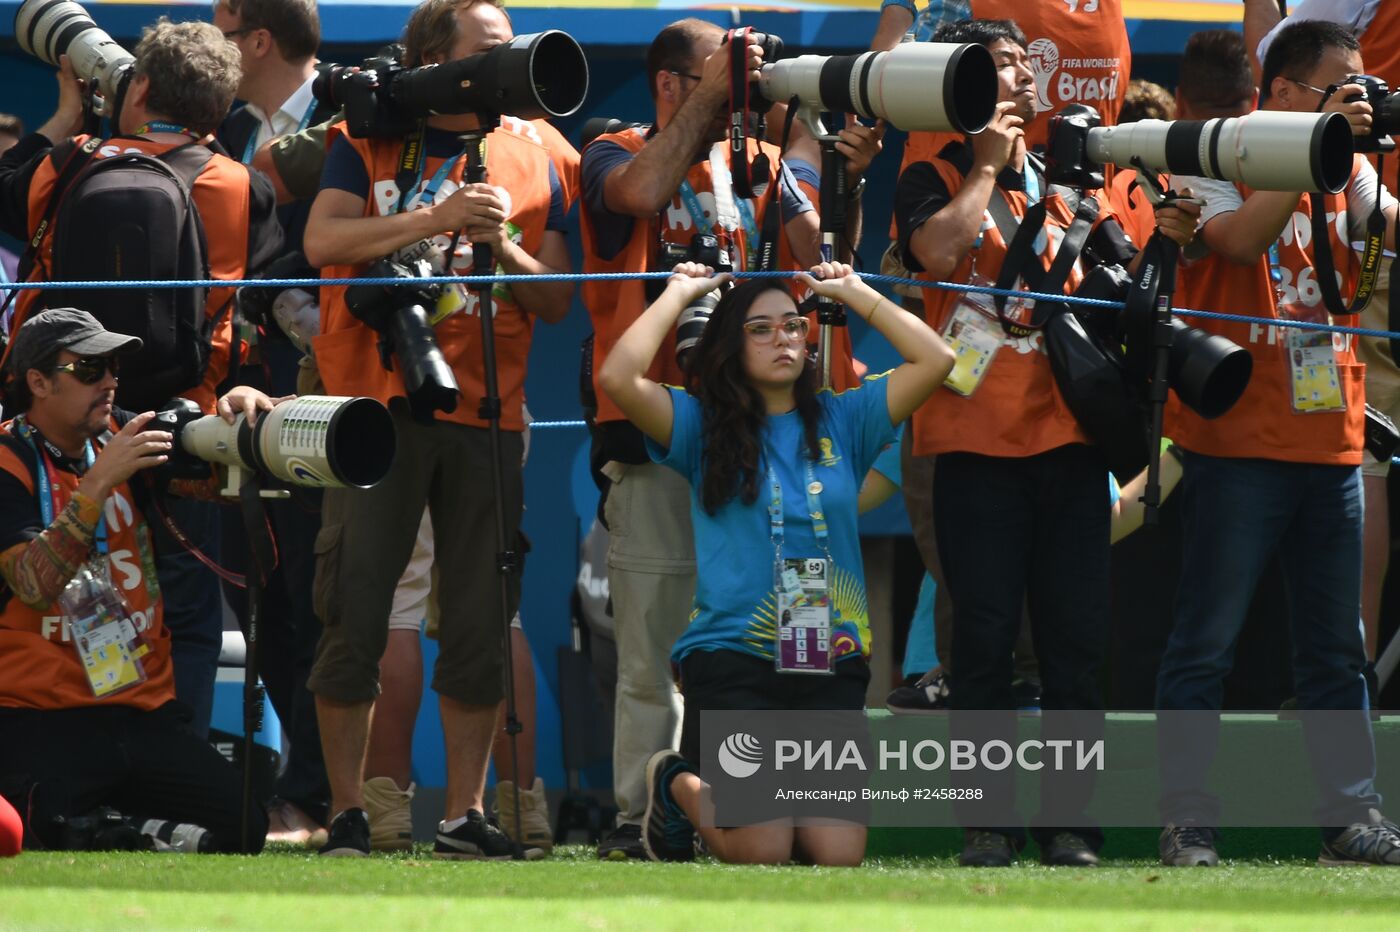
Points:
[[775, 465]]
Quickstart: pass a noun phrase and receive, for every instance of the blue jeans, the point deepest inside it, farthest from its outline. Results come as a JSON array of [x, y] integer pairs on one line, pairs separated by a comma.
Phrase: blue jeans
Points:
[[1236, 513], [193, 604]]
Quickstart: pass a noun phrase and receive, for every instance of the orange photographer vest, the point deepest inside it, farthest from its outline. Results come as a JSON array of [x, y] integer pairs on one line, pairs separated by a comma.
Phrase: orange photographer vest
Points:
[[1079, 54], [1017, 409], [221, 193], [347, 350], [614, 305], [1262, 424], [41, 666], [1380, 52]]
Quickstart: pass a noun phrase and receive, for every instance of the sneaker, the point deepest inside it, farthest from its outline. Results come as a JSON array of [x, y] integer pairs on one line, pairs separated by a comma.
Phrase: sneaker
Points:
[[390, 812], [534, 814], [623, 843], [287, 824], [1067, 849], [985, 849], [1187, 846], [1026, 694], [925, 695], [1375, 841], [349, 836], [478, 839], [668, 834]]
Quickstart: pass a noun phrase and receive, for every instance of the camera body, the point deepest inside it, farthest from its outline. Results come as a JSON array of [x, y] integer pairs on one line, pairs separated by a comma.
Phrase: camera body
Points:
[[1385, 109], [401, 316], [364, 94], [704, 248]]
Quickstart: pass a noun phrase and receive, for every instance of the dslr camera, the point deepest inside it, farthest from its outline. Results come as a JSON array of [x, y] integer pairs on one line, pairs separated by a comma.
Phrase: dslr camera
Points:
[[401, 317], [1385, 108], [706, 249]]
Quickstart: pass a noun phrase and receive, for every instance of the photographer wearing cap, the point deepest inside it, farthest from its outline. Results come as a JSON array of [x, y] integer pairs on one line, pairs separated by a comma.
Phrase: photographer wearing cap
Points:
[[183, 83], [277, 40], [1279, 471], [653, 196], [1019, 505], [443, 458], [78, 731]]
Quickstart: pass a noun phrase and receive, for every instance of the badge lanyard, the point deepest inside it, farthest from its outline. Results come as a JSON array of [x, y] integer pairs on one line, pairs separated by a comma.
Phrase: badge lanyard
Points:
[[430, 190], [161, 126], [731, 212], [252, 147], [803, 588], [1032, 184], [47, 480]]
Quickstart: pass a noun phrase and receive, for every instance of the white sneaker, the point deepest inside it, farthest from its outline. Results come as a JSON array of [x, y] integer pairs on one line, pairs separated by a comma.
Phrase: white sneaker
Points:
[[534, 814], [390, 814]]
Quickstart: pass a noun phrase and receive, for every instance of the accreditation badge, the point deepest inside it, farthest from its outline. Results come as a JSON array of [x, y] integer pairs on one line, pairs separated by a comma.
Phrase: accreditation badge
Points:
[[1312, 363], [975, 335], [804, 617], [111, 652]]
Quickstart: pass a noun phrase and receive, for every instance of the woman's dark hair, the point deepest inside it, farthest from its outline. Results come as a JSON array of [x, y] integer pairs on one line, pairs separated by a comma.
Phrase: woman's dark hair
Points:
[[732, 410]]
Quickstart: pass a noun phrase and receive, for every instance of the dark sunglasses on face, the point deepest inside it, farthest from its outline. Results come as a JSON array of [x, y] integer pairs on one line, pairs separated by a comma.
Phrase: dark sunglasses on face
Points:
[[90, 369]]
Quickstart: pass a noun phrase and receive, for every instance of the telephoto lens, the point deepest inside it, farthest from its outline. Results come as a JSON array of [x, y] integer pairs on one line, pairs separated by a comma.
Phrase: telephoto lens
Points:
[[47, 29], [542, 75], [930, 86], [1268, 150], [690, 327]]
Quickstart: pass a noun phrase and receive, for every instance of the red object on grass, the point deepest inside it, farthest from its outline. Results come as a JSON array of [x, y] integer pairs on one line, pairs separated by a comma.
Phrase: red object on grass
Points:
[[11, 831]]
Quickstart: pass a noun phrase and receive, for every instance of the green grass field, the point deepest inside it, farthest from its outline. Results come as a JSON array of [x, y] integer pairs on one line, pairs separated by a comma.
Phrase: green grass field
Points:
[[287, 889]]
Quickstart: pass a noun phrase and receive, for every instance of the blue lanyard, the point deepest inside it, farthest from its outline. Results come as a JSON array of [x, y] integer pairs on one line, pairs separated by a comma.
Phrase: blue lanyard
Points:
[[45, 485], [429, 191], [251, 149], [1032, 184], [814, 511], [697, 214], [161, 126]]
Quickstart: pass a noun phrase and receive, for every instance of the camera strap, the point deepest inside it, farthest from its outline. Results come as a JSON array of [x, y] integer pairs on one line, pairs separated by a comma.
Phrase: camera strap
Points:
[[411, 157], [1023, 261], [1370, 259], [772, 215], [745, 174]]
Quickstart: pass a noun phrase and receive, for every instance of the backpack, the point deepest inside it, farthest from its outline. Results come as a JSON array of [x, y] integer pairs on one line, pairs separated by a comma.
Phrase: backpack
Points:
[[132, 217]]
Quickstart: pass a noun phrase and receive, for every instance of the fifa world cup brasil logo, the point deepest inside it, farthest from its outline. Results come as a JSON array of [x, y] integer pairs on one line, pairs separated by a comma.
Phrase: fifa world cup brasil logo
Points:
[[1045, 61]]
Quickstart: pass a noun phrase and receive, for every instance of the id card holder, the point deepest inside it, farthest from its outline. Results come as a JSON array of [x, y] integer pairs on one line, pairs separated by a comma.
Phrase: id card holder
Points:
[[975, 335], [1312, 363], [111, 652], [804, 617]]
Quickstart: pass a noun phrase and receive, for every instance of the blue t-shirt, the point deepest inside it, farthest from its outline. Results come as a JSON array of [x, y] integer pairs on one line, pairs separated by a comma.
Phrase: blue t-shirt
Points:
[[735, 603]]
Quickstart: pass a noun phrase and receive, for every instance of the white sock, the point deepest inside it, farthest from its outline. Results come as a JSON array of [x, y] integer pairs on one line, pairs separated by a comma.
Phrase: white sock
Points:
[[453, 825]]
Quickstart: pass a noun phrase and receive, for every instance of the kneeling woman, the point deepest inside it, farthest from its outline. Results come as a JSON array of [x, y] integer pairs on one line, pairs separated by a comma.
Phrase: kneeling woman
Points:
[[765, 452]]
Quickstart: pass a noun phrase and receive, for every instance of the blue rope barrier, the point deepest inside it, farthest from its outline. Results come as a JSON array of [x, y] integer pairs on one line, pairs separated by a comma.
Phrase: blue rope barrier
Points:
[[557, 425], [579, 277]]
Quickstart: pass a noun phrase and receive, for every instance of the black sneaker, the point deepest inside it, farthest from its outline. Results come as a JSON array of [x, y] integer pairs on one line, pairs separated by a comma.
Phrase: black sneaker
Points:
[[667, 833], [1374, 841], [1187, 846], [1067, 849], [926, 695], [623, 843], [349, 836], [479, 839], [985, 849]]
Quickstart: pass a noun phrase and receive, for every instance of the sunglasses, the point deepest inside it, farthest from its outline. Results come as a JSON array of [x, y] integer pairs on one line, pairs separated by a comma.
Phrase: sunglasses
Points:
[[90, 369], [761, 331]]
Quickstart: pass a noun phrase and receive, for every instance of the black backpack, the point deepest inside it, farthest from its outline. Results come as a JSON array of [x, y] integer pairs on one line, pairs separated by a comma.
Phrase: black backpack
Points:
[[132, 217]]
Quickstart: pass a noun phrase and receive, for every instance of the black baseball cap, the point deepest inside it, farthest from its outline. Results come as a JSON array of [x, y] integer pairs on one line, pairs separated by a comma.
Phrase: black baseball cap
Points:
[[65, 328]]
